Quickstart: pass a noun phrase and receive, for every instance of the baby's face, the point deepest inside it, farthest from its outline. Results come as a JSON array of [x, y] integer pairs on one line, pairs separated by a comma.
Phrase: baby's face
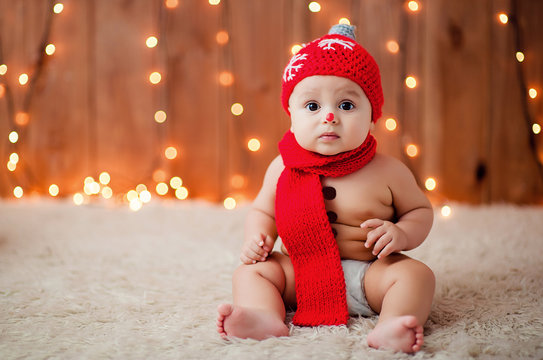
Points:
[[329, 114]]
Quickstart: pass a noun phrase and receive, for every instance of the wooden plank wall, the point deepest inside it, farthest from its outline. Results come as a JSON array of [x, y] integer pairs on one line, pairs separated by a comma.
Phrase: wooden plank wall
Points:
[[92, 107]]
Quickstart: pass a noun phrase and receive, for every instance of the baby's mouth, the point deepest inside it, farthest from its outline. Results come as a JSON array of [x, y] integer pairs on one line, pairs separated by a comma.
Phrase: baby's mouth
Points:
[[329, 136]]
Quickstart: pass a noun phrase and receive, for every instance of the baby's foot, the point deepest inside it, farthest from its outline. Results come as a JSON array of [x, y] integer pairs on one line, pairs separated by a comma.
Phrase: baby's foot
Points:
[[246, 323], [402, 333]]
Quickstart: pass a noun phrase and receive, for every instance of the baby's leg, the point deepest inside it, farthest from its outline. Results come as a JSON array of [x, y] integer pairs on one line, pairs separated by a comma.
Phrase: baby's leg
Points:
[[401, 289], [258, 311]]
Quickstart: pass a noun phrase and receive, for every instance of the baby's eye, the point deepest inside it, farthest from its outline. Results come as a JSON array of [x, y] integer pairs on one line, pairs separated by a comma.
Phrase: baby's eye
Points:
[[312, 106], [346, 105]]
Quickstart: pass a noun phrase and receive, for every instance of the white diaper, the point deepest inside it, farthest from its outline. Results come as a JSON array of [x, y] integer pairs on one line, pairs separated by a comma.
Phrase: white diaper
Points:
[[354, 271]]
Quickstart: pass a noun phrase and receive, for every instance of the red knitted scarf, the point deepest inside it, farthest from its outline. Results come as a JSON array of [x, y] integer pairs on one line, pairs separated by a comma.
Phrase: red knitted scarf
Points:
[[304, 228]]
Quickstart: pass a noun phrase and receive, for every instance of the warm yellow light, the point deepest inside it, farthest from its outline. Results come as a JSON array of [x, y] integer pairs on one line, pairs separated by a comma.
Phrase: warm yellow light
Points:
[[171, 4], [54, 190], [412, 150], [391, 124], [413, 6], [160, 116], [57, 9], [237, 109], [430, 184], [393, 46], [14, 158], [22, 118], [18, 192], [13, 137], [344, 21], [176, 182], [78, 199], [161, 188], [226, 78], [170, 153], [132, 195], [503, 18], [151, 42], [214, 2], [411, 82], [532, 93], [159, 175], [295, 48], [2, 90], [23, 79], [50, 49], [536, 128], [11, 166], [91, 188], [107, 192], [238, 181], [104, 178], [182, 193], [3, 69], [520, 56], [446, 211], [145, 196], [222, 37], [253, 144], [314, 6], [229, 203], [155, 77], [141, 188], [135, 204]]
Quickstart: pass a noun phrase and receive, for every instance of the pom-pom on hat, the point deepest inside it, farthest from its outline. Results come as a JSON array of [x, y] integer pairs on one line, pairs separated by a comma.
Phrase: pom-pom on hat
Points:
[[336, 53]]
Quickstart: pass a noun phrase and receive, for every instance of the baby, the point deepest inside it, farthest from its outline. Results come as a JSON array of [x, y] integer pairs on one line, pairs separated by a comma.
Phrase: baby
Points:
[[343, 212]]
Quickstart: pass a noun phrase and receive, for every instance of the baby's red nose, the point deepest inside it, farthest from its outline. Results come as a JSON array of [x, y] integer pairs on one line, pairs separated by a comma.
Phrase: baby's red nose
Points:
[[330, 117]]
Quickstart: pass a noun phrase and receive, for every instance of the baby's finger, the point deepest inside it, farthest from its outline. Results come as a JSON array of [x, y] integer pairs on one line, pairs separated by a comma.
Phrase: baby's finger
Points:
[[246, 260], [268, 244], [371, 223], [258, 251], [389, 249], [381, 243], [373, 236]]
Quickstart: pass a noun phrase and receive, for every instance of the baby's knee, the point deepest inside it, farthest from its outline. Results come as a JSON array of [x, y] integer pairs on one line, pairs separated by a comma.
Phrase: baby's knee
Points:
[[270, 270]]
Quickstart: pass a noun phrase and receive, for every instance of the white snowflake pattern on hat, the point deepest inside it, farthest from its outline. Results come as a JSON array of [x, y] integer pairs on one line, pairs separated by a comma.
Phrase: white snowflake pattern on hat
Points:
[[288, 73], [326, 44]]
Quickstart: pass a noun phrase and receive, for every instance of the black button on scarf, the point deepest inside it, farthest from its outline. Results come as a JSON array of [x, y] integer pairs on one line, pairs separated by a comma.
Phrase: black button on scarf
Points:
[[329, 193]]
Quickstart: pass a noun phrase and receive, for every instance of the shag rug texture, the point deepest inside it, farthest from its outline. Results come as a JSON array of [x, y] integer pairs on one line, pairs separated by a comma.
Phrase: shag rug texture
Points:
[[97, 282]]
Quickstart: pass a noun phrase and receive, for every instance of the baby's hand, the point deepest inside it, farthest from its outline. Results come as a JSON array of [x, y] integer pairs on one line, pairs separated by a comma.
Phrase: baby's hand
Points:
[[256, 249], [384, 236]]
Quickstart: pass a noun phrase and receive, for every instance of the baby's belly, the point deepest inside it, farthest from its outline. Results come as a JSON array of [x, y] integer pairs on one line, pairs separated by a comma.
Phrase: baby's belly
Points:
[[350, 241]]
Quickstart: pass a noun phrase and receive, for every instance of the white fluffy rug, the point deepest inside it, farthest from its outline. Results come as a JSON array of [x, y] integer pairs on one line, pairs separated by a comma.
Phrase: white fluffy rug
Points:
[[96, 282]]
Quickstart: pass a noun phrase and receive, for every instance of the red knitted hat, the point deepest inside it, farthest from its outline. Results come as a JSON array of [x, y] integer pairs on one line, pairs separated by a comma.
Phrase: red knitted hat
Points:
[[336, 54]]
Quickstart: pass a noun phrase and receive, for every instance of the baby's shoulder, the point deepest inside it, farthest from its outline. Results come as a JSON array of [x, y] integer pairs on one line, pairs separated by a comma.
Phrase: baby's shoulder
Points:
[[387, 164]]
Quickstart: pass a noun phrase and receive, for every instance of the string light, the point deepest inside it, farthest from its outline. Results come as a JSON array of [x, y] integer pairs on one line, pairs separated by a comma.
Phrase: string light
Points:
[[104, 178], [161, 188], [159, 175], [446, 211], [182, 193], [503, 18], [222, 37], [238, 181], [532, 93], [171, 4], [226, 78], [13, 137], [536, 129], [214, 2], [170, 153], [390, 124], [236, 109], [314, 6], [145, 196], [520, 56], [155, 77], [253, 144], [57, 9], [78, 199], [50, 49], [160, 116], [344, 21], [18, 192], [22, 119], [430, 184], [413, 6], [229, 203], [176, 182], [3, 69], [393, 46], [11, 166], [151, 42], [107, 192], [135, 204], [295, 48], [411, 82], [412, 150], [54, 190], [14, 158], [23, 79]]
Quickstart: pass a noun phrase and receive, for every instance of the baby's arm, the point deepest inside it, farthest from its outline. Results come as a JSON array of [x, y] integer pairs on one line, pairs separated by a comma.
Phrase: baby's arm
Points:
[[413, 210], [260, 230]]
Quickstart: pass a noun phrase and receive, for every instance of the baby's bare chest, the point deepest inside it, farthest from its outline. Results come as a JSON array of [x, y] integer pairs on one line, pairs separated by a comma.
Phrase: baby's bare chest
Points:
[[354, 198]]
